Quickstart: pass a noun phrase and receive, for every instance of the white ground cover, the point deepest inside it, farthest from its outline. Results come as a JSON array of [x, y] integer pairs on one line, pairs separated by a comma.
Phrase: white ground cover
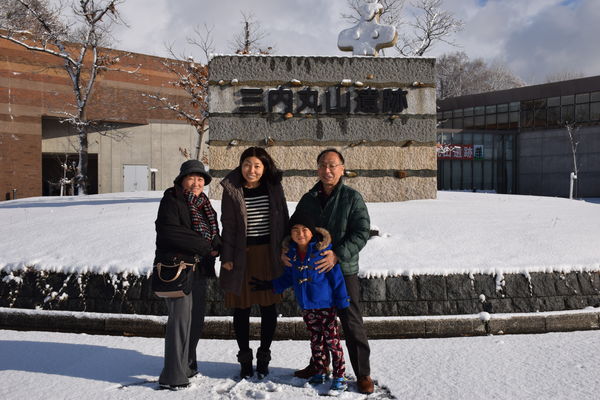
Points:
[[455, 233], [46, 365]]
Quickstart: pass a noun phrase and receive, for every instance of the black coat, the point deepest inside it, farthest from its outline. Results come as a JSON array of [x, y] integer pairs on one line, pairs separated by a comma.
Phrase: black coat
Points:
[[175, 238]]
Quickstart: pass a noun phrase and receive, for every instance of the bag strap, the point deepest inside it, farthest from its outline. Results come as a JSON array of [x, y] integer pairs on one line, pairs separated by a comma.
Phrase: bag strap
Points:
[[182, 265]]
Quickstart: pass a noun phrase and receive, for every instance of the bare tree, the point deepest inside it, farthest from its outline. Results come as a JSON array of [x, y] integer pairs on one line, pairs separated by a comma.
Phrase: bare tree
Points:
[[193, 79], [573, 132], [249, 40], [563, 76], [429, 24], [457, 75], [390, 15], [39, 29], [203, 39]]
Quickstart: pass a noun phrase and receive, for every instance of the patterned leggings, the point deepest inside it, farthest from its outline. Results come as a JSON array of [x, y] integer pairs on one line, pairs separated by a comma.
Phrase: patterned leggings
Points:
[[324, 338]]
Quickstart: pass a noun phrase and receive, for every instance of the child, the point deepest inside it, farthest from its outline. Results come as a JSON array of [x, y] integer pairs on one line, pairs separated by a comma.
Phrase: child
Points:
[[318, 294]]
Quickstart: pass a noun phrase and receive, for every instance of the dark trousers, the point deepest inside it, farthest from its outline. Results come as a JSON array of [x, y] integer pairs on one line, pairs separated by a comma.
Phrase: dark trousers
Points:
[[354, 329], [184, 329]]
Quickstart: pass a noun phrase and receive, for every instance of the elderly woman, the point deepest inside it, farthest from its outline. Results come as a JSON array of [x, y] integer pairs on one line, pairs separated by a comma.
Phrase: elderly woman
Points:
[[254, 217], [186, 230]]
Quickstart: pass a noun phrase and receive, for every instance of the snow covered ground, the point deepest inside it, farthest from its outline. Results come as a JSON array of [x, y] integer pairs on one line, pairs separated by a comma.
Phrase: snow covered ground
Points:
[[455, 233], [43, 365]]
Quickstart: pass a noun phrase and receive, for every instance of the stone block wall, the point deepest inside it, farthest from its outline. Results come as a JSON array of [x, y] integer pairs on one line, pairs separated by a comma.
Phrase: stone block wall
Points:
[[392, 296], [391, 154]]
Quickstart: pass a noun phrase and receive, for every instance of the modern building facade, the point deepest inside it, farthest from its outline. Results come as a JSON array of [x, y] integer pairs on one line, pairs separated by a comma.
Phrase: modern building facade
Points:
[[516, 140], [139, 149]]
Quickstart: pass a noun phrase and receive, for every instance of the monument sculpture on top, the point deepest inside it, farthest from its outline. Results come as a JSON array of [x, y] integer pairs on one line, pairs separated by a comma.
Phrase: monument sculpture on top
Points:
[[378, 111], [368, 36]]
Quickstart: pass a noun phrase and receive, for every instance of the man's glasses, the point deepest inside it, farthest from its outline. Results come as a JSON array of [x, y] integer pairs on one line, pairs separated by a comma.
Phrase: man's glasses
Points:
[[329, 166]]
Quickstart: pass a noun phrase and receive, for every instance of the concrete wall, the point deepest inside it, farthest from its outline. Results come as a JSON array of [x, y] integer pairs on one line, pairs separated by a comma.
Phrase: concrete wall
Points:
[[392, 155], [545, 162], [155, 145]]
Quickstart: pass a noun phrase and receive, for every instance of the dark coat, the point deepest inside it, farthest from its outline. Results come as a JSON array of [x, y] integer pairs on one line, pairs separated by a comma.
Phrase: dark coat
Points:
[[346, 217], [234, 222], [313, 290], [175, 238]]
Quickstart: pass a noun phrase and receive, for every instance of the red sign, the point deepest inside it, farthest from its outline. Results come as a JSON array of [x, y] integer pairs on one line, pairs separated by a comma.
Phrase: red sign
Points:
[[455, 151]]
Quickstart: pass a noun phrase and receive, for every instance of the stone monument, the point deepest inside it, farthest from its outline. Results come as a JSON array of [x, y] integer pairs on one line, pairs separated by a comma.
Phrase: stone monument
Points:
[[378, 111]]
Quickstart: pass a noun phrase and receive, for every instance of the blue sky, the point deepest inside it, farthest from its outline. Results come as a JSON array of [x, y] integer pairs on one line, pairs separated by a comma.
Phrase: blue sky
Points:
[[534, 38]]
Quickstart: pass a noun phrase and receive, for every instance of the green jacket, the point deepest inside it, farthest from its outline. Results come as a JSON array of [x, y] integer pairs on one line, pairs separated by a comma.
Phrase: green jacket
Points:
[[346, 218]]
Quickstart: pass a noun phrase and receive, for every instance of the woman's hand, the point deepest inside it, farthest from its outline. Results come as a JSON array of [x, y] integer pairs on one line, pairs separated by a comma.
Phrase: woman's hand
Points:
[[227, 265], [327, 262]]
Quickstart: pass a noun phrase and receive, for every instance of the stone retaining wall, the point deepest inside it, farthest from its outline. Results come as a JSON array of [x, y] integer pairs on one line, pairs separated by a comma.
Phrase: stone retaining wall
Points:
[[392, 296]]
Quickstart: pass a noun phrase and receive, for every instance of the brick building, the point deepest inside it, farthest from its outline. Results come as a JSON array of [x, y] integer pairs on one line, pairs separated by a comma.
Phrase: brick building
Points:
[[140, 151]]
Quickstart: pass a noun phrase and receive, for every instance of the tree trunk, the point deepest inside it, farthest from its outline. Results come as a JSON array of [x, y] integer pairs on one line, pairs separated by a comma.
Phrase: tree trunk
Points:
[[81, 178]]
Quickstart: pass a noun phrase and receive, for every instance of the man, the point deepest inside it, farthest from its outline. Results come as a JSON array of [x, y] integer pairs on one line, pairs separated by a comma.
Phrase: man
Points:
[[342, 211]]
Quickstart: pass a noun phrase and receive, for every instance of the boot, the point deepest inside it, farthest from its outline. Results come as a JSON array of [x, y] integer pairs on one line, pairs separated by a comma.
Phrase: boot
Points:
[[245, 359], [262, 362]]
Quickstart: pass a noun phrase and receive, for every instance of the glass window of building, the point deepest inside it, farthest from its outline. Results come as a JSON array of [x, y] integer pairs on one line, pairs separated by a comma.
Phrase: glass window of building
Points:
[[502, 121], [582, 98], [540, 118], [595, 111], [490, 121], [457, 123], [468, 112], [447, 114], [553, 101], [595, 96], [514, 106], [567, 114], [502, 108], [582, 112], [567, 99], [513, 120], [458, 113], [479, 110], [468, 122], [479, 122], [553, 116], [490, 109]]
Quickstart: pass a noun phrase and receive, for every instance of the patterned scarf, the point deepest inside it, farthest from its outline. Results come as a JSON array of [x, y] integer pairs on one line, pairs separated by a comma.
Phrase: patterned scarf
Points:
[[204, 217]]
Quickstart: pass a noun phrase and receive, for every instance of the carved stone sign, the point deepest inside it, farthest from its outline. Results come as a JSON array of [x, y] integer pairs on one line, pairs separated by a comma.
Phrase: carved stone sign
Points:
[[333, 100]]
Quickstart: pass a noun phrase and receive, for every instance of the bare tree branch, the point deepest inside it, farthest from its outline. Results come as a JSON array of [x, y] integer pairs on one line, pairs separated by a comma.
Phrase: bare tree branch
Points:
[[431, 25], [457, 75], [249, 40], [50, 36], [193, 79], [204, 40]]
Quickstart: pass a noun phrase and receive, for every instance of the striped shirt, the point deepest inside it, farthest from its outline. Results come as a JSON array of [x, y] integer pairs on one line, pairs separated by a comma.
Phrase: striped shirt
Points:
[[257, 207]]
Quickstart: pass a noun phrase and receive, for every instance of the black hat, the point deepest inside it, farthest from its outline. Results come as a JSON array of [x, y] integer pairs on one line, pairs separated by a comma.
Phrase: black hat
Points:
[[301, 218], [192, 167]]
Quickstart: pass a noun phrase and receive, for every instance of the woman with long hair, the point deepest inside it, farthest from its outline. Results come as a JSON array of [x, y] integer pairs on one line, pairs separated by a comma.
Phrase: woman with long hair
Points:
[[254, 218]]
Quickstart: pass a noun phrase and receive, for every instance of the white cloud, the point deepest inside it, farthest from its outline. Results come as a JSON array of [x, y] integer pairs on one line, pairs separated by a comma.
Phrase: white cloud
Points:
[[533, 37]]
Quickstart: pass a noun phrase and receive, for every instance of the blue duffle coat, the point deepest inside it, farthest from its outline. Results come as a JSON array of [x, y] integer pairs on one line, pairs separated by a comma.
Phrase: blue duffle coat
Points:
[[313, 290]]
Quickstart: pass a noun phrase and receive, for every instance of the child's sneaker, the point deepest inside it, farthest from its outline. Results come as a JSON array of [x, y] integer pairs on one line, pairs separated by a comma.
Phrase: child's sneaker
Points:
[[339, 384], [317, 379]]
